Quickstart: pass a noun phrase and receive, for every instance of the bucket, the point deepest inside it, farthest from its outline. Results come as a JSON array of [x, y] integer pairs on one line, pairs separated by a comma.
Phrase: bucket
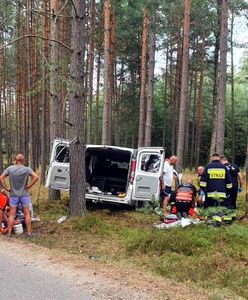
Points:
[[18, 229]]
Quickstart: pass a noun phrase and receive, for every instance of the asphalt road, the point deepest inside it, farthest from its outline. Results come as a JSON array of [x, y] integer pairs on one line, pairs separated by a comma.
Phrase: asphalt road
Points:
[[29, 271], [21, 281]]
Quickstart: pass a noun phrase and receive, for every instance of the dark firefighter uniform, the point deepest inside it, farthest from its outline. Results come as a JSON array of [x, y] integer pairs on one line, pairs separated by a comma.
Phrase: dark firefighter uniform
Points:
[[216, 183], [234, 173]]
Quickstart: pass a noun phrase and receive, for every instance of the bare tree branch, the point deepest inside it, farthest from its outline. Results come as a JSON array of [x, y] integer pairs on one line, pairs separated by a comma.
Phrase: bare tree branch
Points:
[[50, 14], [73, 4], [35, 36], [57, 15]]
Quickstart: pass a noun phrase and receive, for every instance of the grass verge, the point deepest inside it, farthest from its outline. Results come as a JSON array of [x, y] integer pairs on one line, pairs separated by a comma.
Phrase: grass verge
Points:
[[212, 258]]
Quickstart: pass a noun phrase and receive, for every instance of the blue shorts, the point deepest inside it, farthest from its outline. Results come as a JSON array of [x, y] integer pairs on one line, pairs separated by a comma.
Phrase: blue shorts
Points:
[[24, 201], [167, 191]]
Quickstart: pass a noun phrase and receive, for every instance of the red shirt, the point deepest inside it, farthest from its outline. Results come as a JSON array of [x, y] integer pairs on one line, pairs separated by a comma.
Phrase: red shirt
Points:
[[3, 201]]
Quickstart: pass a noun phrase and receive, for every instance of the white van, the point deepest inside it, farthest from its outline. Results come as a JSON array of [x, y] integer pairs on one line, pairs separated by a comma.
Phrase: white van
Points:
[[113, 174]]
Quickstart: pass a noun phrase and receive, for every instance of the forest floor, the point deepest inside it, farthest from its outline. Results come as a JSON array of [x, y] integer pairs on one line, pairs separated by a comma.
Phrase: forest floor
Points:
[[122, 248]]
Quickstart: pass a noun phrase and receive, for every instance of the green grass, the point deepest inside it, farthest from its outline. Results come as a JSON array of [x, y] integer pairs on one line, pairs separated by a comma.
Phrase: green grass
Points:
[[200, 255], [208, 257], [176, 240], [93, 225]]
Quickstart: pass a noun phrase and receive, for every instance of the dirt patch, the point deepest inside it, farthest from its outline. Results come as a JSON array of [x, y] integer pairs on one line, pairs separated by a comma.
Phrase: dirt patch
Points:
[[104, 281]]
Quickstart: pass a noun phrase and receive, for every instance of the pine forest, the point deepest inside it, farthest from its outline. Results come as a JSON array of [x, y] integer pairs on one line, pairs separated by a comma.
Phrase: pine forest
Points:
[[126, 73]]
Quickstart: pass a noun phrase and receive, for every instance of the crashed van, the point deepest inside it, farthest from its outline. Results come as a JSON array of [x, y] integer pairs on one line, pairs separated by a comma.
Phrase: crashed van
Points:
[[113, 174]]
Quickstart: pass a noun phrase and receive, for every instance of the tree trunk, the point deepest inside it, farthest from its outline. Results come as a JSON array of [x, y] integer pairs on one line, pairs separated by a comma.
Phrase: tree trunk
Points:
[[132, 121], [199, 105], [77, 101], [7, 123], [232, 94], [22, 133], [150, 88], [99, 54], [97, 96], [191, 104], [19, 98], [107, 83], [118, 110], [143, 81], [165, 96], [113, 108], [91, 69], [55, 91], [187, 125], [30, 154], [175, 97], [193, 141], [44, 97], [184, 86], [221, 89], [215, 78], [117, 98], [35, 72], [65, 38]]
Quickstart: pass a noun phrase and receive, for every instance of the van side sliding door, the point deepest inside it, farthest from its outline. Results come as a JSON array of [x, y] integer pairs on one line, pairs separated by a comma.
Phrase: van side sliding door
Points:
[[149, 168]]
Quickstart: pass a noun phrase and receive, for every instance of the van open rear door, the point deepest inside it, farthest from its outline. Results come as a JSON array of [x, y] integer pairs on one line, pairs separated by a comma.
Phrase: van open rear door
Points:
[[58, 177], [149, 168]]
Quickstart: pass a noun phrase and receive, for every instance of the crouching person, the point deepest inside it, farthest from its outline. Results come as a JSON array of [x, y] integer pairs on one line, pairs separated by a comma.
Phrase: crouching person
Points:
[[3, 203], [185, 199], [20, 217]]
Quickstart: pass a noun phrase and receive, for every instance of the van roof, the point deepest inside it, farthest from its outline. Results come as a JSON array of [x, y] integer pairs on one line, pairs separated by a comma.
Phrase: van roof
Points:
[[67, 142]]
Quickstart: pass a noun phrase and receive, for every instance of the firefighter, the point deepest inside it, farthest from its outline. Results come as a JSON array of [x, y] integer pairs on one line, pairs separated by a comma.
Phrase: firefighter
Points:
[[237, 180], [216, 183]]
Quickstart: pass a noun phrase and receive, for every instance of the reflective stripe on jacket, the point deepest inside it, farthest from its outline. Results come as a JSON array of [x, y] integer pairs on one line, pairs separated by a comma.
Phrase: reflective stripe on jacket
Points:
[[216, 180], [186, 193]]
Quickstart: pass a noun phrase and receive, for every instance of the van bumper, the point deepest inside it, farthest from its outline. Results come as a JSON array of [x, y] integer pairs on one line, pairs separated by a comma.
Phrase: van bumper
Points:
[[108, 198]]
